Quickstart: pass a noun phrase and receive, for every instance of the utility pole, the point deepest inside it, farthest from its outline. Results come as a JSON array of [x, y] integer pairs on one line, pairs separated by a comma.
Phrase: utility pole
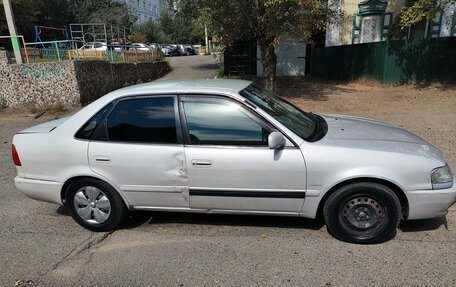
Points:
[[207, 42], [12, 31]]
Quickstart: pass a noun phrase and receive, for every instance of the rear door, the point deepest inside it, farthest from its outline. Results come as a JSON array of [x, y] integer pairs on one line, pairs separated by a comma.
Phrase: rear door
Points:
[[139, 149], [230, 166]]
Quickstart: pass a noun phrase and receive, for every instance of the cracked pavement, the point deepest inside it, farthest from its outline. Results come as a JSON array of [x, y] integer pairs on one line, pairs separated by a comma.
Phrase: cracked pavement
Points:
[[42, 243]]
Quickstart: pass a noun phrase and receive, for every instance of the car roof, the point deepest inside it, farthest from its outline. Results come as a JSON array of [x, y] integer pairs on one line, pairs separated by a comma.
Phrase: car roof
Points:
[[221, 86]]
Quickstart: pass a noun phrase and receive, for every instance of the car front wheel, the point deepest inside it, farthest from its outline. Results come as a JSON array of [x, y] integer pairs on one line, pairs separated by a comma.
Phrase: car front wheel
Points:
[[363, 213], [95, 205]]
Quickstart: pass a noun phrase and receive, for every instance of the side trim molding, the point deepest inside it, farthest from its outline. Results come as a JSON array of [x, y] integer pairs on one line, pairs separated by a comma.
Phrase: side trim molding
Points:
[[247, 193]]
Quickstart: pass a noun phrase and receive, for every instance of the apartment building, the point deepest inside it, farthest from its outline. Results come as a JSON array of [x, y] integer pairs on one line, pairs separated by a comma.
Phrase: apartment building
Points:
[[146, 9]]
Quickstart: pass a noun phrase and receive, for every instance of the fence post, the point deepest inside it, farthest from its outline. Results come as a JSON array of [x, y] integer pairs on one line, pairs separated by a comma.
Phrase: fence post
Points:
[[57, 49]]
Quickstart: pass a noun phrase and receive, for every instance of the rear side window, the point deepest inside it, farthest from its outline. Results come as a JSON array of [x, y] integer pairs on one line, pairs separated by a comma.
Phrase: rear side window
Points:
[[148, 120], [87, 130]]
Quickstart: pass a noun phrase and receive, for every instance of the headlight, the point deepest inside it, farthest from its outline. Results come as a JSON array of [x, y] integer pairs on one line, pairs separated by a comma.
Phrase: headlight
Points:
[[441, 177]]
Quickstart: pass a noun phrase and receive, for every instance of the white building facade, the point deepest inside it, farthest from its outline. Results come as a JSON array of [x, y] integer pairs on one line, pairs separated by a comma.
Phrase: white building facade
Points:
[[369, 21], [146, 9]]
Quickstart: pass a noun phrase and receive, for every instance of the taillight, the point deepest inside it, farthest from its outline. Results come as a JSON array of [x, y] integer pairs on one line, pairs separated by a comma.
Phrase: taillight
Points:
[[17, 161]]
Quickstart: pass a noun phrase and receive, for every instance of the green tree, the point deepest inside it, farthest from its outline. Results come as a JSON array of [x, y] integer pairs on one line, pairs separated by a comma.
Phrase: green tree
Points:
[[181, 25], [267, 21], [28, 13], [59, 13], [149, 29], [416, 11], [101, 11]]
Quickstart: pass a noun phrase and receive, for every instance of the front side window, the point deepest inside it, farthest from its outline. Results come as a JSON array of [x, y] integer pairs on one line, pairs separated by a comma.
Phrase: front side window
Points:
[[148, 120], [222, 122]]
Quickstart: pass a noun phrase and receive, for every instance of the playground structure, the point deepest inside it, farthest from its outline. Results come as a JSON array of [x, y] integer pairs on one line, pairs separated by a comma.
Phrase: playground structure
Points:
[[23, 43], [84, 41], [50, 43], [89, 33]]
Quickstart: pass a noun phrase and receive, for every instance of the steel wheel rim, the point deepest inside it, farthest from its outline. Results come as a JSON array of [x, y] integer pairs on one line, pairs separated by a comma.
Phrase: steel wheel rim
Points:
[[362, 213], [92, 205]]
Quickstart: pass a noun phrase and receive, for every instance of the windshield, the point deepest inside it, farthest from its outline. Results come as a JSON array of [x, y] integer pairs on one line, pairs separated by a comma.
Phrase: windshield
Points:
[[299, 122]]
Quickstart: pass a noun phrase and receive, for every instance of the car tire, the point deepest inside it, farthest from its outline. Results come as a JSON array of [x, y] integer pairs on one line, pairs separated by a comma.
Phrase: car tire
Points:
[[362, 212], [95, 205]]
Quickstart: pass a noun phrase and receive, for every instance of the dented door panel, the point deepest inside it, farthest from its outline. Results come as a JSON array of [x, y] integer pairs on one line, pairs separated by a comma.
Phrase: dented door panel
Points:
[[147, 174]]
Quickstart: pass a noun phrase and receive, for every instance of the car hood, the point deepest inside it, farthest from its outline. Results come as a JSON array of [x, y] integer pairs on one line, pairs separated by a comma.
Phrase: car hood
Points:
[[365, 133]]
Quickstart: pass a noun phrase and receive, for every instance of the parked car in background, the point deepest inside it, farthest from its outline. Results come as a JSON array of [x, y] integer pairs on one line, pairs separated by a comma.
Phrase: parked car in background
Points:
[[190, 50], [230, 146], [117, 47], [140, 47], [166, 51], [175, 49], [94, 46], [183, 49]]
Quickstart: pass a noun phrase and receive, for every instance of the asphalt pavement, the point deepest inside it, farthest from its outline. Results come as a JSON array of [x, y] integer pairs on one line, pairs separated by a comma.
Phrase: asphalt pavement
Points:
[[41, 245]]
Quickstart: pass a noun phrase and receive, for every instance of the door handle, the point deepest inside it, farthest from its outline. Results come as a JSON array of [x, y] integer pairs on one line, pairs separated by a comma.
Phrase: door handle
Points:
[[201, 163], [102, 159]]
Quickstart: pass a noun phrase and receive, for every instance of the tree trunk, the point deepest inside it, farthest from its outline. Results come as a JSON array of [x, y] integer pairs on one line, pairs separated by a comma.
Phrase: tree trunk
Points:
[[269, 61]]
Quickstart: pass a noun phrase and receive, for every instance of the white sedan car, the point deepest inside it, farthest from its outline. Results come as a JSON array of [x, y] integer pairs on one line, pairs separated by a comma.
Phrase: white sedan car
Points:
[[229, 146], [140, 47]]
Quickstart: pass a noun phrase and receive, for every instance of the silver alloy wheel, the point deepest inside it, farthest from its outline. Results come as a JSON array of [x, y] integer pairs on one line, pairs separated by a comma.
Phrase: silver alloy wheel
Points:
[[92, 205], [362, 213]]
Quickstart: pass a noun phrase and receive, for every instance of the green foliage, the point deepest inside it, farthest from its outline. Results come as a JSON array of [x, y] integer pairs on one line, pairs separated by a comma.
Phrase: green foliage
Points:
[[101, 11], [180, 27], [416, 11], [266, 21], [137, 38], [149, 30], [58, 13], [173, 27]]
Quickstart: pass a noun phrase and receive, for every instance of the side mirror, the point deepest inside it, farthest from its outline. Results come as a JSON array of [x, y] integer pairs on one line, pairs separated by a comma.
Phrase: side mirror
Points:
[[276, 140]]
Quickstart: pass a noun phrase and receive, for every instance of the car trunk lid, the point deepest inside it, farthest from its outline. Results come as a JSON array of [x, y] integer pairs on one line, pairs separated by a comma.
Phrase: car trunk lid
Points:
[[44, 127]]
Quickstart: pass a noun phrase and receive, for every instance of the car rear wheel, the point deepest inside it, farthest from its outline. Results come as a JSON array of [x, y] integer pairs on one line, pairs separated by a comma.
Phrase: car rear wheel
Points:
[[95, 205], [363, 213]]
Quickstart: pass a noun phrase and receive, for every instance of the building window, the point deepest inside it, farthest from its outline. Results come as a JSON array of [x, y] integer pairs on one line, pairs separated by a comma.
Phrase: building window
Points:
[[434, 26], [453, 27], [370, 29], [372, 23]]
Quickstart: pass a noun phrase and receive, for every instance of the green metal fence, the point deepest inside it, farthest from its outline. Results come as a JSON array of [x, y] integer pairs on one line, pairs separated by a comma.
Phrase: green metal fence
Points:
[[56, 51], [389, 62]]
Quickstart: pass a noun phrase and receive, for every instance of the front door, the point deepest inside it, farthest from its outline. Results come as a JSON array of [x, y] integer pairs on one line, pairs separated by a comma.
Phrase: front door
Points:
[[140, 151], [230, 166]]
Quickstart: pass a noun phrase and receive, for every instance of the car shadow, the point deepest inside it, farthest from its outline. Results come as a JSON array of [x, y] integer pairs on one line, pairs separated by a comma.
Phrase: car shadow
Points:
[[138, 218], [206, 67], [423, 224], [63, 210]]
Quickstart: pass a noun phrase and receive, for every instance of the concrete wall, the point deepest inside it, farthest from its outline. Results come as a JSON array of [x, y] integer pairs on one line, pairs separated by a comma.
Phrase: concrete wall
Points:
[[72, 83], [96, 78]]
